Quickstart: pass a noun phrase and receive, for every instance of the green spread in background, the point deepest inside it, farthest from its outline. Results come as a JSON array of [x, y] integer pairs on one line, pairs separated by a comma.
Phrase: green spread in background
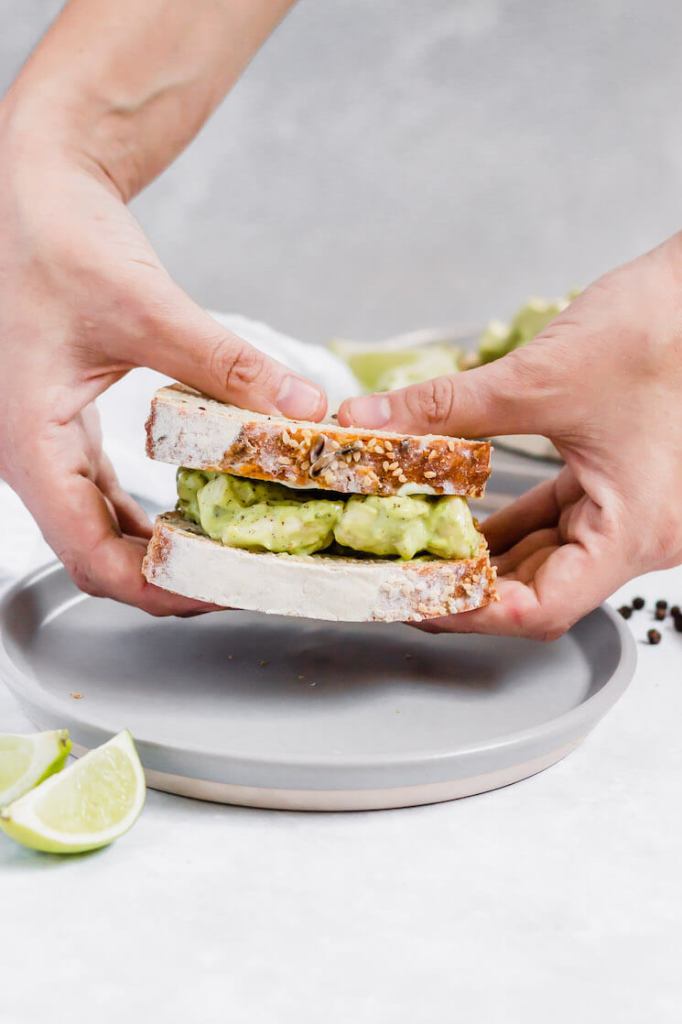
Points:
[[263, 516], [380, 368], [499, 338]]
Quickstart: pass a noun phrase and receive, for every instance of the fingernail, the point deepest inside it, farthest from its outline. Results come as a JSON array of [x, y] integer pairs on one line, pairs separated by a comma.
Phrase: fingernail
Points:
[[372, 411], [298, 399]]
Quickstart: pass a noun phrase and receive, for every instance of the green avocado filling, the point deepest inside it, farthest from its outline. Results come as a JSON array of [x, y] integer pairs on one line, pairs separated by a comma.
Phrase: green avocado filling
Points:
[[263, 516]]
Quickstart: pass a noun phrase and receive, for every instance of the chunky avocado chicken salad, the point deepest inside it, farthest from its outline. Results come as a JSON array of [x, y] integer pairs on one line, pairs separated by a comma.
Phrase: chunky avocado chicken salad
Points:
[[264, 516]]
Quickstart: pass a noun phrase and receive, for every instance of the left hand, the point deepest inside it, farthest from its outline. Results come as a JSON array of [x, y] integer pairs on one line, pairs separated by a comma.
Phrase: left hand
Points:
[[604, 382], [83, 300]]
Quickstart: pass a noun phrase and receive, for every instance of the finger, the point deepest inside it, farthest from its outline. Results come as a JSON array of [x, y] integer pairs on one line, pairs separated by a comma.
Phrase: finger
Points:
[[123, 509], [567, 585], [184, 342], [82, 533], [527, 570], [131, 517], [505, 617], [509, 561], [519, 394], [535, 510]]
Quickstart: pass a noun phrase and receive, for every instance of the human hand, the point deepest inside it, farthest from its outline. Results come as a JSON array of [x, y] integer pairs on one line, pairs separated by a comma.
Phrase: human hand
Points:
[[84, 299], [604, 382]]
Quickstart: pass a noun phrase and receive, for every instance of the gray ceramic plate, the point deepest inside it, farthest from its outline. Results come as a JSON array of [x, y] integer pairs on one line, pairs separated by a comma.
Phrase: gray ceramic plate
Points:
[[278, 712]]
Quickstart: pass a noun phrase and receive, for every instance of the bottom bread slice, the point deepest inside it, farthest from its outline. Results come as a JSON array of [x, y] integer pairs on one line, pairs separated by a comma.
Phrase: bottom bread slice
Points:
[[181, 559]]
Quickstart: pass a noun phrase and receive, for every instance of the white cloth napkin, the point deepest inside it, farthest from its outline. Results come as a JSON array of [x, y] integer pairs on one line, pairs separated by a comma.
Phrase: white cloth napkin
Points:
[[123, 410]]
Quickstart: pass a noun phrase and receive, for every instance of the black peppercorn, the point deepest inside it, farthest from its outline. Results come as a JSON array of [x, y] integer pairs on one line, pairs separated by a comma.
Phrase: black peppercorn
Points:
[[678, 623], [625, 611], [662, 604], [660, 614], [638, 603], [653, 636], [675, 611]]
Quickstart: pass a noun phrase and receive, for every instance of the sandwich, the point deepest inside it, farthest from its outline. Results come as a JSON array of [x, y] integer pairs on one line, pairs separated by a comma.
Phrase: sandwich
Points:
[[314, 519]]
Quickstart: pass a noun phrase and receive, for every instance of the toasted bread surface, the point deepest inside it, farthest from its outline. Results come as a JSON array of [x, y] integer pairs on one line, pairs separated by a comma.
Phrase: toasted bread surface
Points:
[[186, 428]]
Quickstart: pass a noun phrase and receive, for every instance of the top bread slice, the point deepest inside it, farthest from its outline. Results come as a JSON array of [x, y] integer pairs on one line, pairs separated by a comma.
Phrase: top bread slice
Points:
[[189, 429]]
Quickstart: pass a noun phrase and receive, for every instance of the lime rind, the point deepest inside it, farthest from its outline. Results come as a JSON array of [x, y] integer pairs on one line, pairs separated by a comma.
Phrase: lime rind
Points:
[[27, 760], [87, 806]]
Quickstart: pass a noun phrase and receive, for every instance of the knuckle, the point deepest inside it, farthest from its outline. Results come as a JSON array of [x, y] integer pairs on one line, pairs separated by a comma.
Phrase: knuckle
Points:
[[539, 627], [432, 402], [532, 621], [126, 319], [236, 365], [533, 368], [537, 372], [155, 611], [147, 318], [663, 549], [82, 576], [548, 633]]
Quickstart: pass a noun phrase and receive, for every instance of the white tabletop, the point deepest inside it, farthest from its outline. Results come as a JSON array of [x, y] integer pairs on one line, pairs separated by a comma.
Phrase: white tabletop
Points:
[[555, 899]]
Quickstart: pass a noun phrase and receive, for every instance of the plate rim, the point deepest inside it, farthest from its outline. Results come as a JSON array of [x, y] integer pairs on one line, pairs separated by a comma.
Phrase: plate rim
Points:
[[578, 721]]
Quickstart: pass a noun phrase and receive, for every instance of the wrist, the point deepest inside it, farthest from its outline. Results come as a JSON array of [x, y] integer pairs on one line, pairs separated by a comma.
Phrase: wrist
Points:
[[49, 123]]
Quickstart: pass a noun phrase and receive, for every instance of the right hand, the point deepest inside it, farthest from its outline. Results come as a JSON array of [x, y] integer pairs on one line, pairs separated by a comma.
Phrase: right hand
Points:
[[604, 382], [83, 300]]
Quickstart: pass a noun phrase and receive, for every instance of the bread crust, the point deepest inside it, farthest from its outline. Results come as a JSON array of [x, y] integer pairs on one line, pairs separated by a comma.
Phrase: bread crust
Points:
[[186, 428], [181, 559]]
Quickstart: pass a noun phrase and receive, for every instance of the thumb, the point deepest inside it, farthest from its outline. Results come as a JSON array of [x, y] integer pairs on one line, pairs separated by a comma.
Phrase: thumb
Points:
[[184, 342], [518, 394]]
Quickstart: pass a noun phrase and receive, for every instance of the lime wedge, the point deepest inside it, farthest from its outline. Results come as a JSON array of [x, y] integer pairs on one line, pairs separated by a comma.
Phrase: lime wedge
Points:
[[27, 760], [371, 364], [88, 805], [380, 368], [431, 361]]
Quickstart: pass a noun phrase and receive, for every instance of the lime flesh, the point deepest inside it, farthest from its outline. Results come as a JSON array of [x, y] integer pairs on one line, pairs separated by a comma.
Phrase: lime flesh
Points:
[[381, 369], [88, 805], [27, 760]]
